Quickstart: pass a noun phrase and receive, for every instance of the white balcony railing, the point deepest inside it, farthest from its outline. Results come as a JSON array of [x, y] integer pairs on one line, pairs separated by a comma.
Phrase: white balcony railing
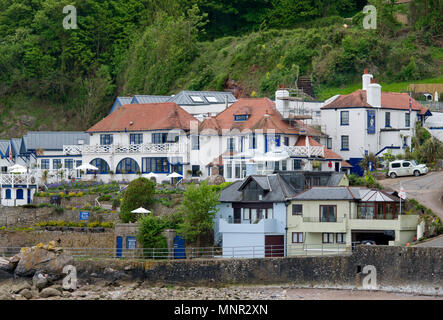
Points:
[[125, 149], [303, 151], [18, 179]]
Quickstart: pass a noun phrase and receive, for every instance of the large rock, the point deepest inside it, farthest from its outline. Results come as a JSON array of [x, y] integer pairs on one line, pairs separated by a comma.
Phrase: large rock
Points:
[[50, 292], [5, 265], [26, 293], [20, 287], [40, 280], [45, 259]]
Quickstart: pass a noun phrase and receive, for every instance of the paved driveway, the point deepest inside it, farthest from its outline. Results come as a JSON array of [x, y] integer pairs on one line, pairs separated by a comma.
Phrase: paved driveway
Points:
[[426, 189], [435, 242]]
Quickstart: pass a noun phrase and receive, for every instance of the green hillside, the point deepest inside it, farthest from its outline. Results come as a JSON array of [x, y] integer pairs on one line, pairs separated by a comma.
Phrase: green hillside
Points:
[[57, 79]]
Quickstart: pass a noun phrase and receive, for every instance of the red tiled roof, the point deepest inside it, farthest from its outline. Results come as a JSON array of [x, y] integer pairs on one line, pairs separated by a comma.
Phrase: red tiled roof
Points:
[[302, 142], [329, 154], [262, 114], [150, 116], [345, 164], [390, 100]]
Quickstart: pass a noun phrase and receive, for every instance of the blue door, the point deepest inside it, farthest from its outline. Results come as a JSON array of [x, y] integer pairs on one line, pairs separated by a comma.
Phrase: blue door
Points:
[[119, 247], [29, 196], [179, 248]]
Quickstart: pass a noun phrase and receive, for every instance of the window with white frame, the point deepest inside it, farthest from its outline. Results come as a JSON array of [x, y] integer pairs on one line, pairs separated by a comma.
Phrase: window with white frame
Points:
[[344, 142], [344, 118]]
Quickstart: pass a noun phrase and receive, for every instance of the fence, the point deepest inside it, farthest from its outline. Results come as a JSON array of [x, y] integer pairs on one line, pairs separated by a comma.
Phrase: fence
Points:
[[267, 251]]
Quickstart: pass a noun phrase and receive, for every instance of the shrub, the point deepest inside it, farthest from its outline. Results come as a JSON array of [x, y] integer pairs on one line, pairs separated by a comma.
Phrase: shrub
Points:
[[150, 232], [105, 197], [30, 206], [79, 194], [115, 203], [138, 194], [94, 224], [107, 224], [59, 210]]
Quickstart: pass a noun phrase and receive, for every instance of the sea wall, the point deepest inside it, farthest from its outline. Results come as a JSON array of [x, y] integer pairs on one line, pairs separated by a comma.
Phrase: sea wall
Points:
[[413, 269]]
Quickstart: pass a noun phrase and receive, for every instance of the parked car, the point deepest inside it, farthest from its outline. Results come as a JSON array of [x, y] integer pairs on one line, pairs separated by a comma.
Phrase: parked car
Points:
[[369, 242], [401, 168]]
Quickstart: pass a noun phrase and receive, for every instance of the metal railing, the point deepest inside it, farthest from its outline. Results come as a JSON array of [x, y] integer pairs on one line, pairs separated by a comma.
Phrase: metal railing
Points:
[[267, 251]]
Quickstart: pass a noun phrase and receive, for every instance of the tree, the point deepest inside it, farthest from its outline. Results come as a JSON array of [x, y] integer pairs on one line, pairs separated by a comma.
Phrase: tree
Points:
[[431, 150], [139, 193], [150, 232], [364, 163], [197, 211]]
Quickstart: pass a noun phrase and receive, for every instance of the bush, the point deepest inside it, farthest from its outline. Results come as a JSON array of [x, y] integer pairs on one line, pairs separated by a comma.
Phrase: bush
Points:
[[115, 203], [59, 210], [138, 194], [105, 197], [30, 206], [150, 232]]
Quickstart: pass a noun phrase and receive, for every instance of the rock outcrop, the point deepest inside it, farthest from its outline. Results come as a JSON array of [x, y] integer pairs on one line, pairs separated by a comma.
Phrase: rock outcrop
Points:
[[46, 259]]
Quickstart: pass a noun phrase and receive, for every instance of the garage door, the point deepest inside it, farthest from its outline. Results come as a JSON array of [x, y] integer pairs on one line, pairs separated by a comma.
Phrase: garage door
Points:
[[274, 246]]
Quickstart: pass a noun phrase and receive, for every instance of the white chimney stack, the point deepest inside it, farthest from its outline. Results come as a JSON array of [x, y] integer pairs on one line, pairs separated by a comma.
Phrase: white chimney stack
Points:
[[367, 77], [282, 105], [373, 95]]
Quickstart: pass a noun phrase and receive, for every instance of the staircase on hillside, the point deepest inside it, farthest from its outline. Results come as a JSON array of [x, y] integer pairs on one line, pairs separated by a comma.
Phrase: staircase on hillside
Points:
[[304, 83]]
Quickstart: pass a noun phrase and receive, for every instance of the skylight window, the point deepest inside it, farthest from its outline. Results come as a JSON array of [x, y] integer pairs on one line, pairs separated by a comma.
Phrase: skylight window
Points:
[[211, 99], [196, 99]]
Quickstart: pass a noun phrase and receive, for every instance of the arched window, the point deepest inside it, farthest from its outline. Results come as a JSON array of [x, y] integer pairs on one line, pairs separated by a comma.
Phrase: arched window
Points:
[[19, 194], [102, 165], [127, 165], [8, 194]]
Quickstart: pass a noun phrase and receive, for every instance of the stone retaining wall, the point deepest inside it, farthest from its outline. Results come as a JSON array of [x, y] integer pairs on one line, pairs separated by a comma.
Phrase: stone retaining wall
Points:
[[72, 201], [414, 269], [63, 239], [24, 217]]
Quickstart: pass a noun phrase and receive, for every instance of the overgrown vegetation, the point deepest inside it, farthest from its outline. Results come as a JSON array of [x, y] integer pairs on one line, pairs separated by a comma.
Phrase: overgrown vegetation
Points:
[[125, 47]]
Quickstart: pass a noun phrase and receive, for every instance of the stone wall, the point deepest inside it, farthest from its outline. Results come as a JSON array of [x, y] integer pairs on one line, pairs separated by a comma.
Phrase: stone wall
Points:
[[411, 269], [63, 239], [24, 217], [72, 201]]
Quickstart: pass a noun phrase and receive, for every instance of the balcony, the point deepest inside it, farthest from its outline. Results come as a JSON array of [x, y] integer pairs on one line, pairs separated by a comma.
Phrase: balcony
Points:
[[18, 179], [302, 151], [401, 222], [263, 226], [125, 149], [315, 224]]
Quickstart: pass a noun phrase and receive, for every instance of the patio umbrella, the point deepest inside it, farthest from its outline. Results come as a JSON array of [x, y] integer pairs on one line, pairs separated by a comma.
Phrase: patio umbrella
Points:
[[16, 166], [174, 175], [19, 170], [86, 166], [150, 175], [140, 210]]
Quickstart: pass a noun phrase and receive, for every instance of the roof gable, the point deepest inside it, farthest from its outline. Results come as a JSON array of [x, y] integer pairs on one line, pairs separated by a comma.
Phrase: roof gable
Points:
[[143, 117], [389, 100]]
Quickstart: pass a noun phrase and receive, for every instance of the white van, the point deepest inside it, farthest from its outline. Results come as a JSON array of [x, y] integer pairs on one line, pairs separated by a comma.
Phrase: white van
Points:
[[401, 168]]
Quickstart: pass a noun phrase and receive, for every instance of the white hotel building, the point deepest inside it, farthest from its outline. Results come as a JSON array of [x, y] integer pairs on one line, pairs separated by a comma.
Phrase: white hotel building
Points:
[[370, 121]]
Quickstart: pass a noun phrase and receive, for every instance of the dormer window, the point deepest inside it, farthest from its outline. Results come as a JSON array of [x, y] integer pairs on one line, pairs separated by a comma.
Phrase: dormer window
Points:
[[241, 117]]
